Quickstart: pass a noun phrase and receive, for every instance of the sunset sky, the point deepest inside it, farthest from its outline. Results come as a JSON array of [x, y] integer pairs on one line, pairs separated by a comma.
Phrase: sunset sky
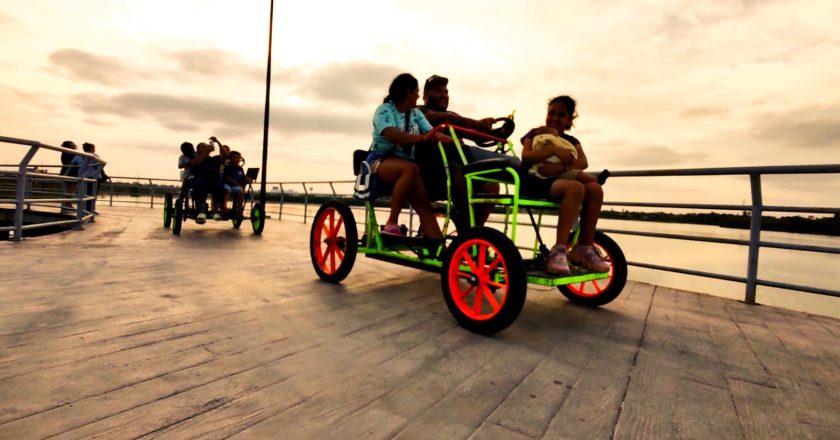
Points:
[[660, 84]]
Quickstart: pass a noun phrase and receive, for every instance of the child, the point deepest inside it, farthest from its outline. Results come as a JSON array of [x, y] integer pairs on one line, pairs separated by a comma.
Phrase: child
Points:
[[235, 179], [187, 154], [582, 195]]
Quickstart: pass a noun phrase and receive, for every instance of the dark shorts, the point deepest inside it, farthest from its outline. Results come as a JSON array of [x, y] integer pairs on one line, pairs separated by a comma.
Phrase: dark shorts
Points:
[[533, 187]]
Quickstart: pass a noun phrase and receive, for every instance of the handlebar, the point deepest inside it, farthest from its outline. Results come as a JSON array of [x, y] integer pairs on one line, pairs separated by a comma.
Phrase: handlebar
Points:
[[468, 131]]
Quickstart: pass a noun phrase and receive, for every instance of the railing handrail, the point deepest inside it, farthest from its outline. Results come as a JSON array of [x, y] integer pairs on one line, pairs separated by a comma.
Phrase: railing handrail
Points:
[[721, 171]]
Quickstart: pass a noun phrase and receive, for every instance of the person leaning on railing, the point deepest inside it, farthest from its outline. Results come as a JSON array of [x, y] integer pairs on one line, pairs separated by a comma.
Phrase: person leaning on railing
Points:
[[68, 170]]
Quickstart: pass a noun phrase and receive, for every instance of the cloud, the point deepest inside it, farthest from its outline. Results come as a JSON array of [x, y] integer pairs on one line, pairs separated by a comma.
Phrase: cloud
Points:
[[86, 66], [348, 83], [701, 112], [656, 156], [810, 127], [8, 23], [215, 63], [179, 113]]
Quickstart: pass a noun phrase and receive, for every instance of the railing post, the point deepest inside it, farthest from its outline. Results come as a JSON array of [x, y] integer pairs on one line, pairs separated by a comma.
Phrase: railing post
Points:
[[80, 204], [21, 192], [410, 219], [282, 200], [332, 188], [93, 201], [152, 194], [755, 237], [305, 202], [111, 192]]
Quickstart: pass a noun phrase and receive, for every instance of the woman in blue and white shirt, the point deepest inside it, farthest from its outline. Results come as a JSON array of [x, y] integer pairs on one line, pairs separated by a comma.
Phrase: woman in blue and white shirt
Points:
[[397, 127]]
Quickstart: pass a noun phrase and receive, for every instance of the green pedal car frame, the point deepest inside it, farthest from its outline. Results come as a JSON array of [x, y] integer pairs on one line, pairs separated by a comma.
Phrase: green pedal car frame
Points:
[[484, 276]]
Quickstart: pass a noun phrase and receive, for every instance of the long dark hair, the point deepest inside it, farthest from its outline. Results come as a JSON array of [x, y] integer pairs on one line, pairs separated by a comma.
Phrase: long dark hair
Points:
[[400, 87]]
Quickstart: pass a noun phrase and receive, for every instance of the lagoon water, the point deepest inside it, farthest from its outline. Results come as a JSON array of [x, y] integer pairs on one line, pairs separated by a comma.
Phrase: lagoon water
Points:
[[793, 267]]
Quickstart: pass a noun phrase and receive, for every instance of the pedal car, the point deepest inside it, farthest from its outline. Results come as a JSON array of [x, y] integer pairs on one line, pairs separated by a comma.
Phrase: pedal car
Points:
[[183, 208], [483, 274]]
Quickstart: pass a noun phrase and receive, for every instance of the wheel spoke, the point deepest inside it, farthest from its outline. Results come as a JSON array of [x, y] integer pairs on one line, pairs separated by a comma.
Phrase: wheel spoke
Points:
[[477, 302], [465, 256], [496, 284], [598, 288], [582, 286], [337, 227], [493, 264], [482, 258], [332, 259], [490, 298], [463, 293], [322, 257]]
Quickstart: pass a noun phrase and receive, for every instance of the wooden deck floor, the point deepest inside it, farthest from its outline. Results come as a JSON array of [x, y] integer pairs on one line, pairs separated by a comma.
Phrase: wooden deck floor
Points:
[[124, 331]]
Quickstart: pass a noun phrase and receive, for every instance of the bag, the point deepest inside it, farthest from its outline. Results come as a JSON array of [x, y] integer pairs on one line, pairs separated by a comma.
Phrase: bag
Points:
[[364, 182]]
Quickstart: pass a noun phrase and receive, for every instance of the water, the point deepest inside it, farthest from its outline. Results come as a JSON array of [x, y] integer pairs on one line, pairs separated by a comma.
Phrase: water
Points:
[[792, 267]]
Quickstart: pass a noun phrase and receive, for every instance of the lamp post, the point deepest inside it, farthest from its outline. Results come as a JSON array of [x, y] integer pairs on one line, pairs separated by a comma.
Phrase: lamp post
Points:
[[265, 117]]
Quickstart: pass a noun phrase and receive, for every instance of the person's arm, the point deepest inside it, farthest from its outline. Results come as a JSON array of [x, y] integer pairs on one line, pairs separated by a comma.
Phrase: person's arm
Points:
[[437, 118], [581, 163], [400, 137], [199, 158]]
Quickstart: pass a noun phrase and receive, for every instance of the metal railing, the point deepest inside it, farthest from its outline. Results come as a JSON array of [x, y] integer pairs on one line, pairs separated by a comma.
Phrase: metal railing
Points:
[[756, 209], [284, 192], [50, 195]]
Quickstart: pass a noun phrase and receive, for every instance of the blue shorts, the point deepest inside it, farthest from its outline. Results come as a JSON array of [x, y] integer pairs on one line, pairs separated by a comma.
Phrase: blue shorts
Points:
[[233, 189]]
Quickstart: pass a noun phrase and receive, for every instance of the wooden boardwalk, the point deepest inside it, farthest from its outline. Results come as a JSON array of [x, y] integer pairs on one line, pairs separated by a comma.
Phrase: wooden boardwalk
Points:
[[125, 331]]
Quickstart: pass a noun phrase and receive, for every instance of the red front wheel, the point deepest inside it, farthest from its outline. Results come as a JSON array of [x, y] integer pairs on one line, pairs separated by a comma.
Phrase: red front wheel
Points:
[[333, 241], [599, 292], [483, 280]]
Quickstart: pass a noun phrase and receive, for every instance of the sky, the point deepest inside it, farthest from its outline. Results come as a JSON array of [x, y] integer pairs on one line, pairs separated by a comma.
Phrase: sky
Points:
[[660, 84]]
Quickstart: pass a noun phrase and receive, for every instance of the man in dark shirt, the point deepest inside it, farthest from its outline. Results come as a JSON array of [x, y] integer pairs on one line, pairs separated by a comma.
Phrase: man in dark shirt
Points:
[[436, 109]]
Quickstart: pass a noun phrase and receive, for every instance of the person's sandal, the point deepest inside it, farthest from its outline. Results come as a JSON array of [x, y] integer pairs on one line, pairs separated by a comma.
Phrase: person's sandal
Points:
[[201, 218], [392, 229]]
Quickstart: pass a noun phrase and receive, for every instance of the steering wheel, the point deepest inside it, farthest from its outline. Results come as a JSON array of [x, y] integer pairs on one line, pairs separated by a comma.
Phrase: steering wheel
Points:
[[503, 131]]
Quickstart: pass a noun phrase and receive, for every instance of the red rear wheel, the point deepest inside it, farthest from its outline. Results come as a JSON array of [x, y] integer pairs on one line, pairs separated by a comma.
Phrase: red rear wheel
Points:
[[333, 241], [483, 280], [599, 292]]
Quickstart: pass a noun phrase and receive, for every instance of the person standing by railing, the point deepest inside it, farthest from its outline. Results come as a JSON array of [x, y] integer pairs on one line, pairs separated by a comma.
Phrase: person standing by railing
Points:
[[68, 170], [91, 168]]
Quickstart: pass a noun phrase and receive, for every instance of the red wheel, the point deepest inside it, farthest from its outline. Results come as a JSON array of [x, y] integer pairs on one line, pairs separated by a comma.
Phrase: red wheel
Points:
[[599, 292], [483, 280], [333, 241]]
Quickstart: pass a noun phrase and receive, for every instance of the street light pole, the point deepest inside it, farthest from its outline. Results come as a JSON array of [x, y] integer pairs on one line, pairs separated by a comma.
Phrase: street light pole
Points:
[[265, 117]]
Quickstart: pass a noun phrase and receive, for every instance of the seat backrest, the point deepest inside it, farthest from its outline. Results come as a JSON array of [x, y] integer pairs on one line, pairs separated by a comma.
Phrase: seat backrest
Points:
[[359, 156]]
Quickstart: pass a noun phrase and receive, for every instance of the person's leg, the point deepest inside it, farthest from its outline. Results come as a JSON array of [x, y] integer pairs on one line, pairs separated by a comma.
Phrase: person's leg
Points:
[[405, 176], [584, 254], [401, 174], [570, 194], [71, 192], [240, 201], [591, 211], [227, 200]]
